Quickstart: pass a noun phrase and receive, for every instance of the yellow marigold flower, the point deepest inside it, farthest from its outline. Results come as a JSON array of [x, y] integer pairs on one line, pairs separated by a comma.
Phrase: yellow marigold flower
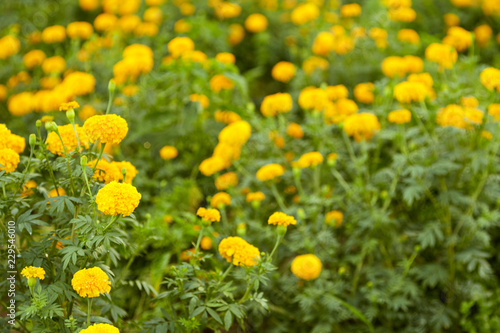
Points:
[[487, 135], [469, 101], [311, 98], [255, 196], [69, 105], [363, 92], [225, 58], [483, 35], [312, 63], [91, 282], [28, 188], [227, 117], [444, 55], [397, 3], [33, 58], [182, 26], [491, 7], [53, 192], [88, 5], [100, 328], [108, 128], [276, 103], [378, 33], [402, 14], [236, 34], [311, 159], [270, 171], [54, 34], [399, 116], [55, 146], [10, 140], [473, 115], [206, 243], [494, 110], [79, 83], [86, 112], [464, 3], [459, 38], [55, 64], [105, 22], [337, 112], [451, 20], [295, 131], [279, 218], [117, 198], [409, 36], [304, 13], [180, 45], [168, 152], [208, 215], [225, 181], [239, 252], [361, 126], [350, 10], [33, 272], [332, 157], [407, 92], [212, 165], [202, 99], [9, 160], [306, 267], [227, 152], [236, 134], [343, 45], [9, 45], [490, 78], [283, 71], [153, 15], [82, 30], [336, 92], [3, 92], [225, 9], [20, 104], [220, 199], [424, 78], [130, 90], [220, 82], [323, 43], [452, 115], [334, 216], [129, 167], [256, 23], [394, 67]]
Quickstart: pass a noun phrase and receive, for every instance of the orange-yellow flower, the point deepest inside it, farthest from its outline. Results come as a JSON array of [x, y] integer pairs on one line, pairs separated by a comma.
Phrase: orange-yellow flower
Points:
[[270, 171], [239, 252], [279, 218], [306, 267], [91, 282]]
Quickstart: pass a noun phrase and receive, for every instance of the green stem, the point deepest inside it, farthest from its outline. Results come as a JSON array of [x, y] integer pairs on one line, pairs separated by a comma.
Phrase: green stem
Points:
[[200, 236], [277, 196], [112, 220], [298, 183], [99, 157], [88, 312], [279, 238], [25, 171], [317, 179]]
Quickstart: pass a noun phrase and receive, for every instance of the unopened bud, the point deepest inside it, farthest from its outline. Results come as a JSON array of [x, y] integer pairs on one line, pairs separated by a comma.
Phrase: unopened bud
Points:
[[301, 214], [70, 114], [51, 126], [38, 124], [32, 140], [83, 162], [111, 86]]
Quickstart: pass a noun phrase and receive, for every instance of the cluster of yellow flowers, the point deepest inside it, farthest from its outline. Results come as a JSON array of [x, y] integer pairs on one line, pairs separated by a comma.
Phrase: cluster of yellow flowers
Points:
[[11, 145], [239, 252], [137, 60]]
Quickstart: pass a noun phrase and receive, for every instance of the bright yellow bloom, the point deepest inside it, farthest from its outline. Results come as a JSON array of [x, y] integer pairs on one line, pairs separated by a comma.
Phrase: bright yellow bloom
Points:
[[363, 92], [225, 181], [28, 188], [469, 101], [220, 199], [69, 105], [33, 58], [9, 160], [208, 215], [91, 282], [334, 216], [361, 126], [311, 159], [236, 34], [451, 20], [312, 63], [459, 38], [117, 198], [402, 14], [105, 171], [490, 78], [206, 243], [444, 55], [82, 30], [452, 115], [304, 13], [323, 43], [312, 98], [255, 196], [100, 328], [54, 34], [180, 45], [306, 267], [55, 146], [202, 99], [33, 272], [9, 45], [408, 36], [279, 218], [256, 23], [270, 171], [239, 252], [276, 103], [295, 131], [336, 92], [407, 92], [131, 171], [86, 112], [220, 82], [225, 58], [168, 152], [212, 165], [483, 34], [350, 10], [226, 9], [236, 134], [399, 116], [53, 192], [52, 65], [105, 22], [108, 128], [494, 110], [227, 117], [283, 71]]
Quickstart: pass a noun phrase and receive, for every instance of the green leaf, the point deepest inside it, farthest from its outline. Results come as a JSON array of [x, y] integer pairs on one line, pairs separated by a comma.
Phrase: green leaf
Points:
[[214, 315], [228, 320]]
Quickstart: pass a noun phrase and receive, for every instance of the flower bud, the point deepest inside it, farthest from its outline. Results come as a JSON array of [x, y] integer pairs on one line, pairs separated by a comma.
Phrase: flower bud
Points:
[[38, 123], [111, 86], [31, 282], [32, 140], [70, 114], [256, 204], [124, 173], [241, 229], [83, 162], [51, 126], [301, 214]]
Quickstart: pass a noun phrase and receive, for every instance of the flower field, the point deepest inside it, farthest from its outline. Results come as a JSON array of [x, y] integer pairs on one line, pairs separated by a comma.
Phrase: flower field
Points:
[[250, 166]]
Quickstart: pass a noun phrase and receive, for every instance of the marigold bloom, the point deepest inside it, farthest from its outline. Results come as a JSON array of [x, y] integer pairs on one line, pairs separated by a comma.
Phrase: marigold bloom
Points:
[[33, 272], [336, 92], [363, 92], [91, 282], [226, 9], [9, 160], [225, 58], [69, 105], [452, 115], [256, 23], [220, 199], [105, 171], [55, 64], [407, 92], [28, 188], [54, 34], [180, 45], [255, 196], [202, 99], [88, 5], [279, 218], [283, 71], [236, 34], [206, 243], [236, 134], [402, 14], [399, 116], [350, 10], [295, 131], [33, 58], [304, 13], [494, 110], [276, 103], [212, 165], [86, 112], [469, 101], [55, 146], [208, 215], [361, 126], [9, 45], [168, 152], [444, 55], [311, 159], [100, 328], [483, 35], [270, 171], [117, 198], [312, 63], [490, 78], [53, 192], [239, 252], [226, 180], [323, 43], [459, 38], [79, 83], [334, 216], [82, 30], [220, 82], [408, 36], [108, 128], [451, 20], [105, 22], [306, 267], [227, 117], [312, 98]]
